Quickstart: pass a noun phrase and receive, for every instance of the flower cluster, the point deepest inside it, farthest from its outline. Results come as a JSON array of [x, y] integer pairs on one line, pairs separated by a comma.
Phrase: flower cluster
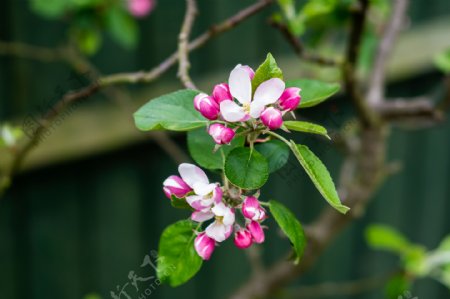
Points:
[[234, 105], [210, 202]]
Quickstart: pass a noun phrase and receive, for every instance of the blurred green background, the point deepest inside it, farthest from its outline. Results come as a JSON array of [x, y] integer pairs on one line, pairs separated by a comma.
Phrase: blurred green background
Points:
[[89, 206]]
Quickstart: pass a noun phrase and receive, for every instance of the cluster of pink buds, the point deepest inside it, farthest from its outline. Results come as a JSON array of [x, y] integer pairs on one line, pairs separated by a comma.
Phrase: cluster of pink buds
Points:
[[140, 8], [209, 203], [234, 103]]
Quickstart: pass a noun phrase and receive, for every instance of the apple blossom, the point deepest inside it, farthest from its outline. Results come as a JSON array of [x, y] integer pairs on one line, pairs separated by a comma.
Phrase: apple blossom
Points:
[[272, 118], [240, 84], [207, 106], [257, 231], [251, 209], [174, 185], [140, 8], [221, 134], [224, 220], [243, 238], [204, 246], [289, 99], [221, 92]]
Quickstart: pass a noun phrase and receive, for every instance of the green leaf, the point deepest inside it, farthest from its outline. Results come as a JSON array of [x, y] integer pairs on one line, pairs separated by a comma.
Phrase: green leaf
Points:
[[319, 175], [201, 147], [397, 285], [246, 169], [290, 226], [174, 111], [180, 203], [316, 8], [88, 40], [384, 237], [177, 259], [123, 27], [275, 152], [51, 9], [267, 70], [307, 127], [313, 92], [442, 61]]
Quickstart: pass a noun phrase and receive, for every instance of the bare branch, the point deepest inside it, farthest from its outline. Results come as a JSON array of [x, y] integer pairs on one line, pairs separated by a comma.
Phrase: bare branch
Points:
[[375, 93], [367, 117], [299, 48], [31, 52], [183, 44], [228, 24]]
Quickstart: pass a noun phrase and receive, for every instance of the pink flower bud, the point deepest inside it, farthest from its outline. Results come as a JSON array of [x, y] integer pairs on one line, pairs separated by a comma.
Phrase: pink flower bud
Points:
[[204, 246], [221, 92], [250, 71], [174, 185], [140, 8], [206, 106], [251, 209], [221, 134], [290, 98], [243, 238], [257, 231], [272, 118]]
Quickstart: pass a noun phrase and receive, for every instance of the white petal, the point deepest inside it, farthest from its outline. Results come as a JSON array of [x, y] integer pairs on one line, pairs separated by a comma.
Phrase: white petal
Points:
[[240, 84], [220, 209], [203, 189], [228, 218], [269, 91], [256, 108], [216, 231], [231, 111], [192, 174], [201, 216]]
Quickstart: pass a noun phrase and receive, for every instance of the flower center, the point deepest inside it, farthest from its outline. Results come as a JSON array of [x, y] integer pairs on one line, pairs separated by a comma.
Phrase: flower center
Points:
[[246, 107], [219, 219]]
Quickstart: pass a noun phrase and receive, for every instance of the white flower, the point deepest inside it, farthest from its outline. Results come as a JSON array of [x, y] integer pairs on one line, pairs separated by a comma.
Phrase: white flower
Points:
[[240, 84], [221, 228], [205, 193]]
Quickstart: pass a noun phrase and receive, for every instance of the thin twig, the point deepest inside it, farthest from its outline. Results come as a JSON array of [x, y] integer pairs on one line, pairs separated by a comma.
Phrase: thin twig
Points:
[[228, 24], [358, 20], [183, 44], [299, 48], [375, 93], [32, 52]]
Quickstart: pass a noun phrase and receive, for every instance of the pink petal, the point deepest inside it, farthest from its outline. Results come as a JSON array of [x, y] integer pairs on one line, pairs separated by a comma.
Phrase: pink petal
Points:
[[199, 216]]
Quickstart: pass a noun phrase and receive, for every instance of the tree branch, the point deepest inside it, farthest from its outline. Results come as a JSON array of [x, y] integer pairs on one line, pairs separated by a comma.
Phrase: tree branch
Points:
[[375, 93], [228, 24], [367, 117], [183, 44], [299, 48]]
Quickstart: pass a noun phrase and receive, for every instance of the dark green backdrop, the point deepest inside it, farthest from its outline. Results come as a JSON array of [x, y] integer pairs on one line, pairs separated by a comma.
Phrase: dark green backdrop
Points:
[[81, 226]]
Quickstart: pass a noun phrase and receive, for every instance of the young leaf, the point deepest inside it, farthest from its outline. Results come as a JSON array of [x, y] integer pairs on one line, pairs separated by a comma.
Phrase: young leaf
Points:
[[275, 152], [267, 70], [313, 92], [177, 259], [290, 226], [174, 111], [442, 61], [319, 175], [201, 147], [384, 237], [122, 27], [307, 127], [246, 169]]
